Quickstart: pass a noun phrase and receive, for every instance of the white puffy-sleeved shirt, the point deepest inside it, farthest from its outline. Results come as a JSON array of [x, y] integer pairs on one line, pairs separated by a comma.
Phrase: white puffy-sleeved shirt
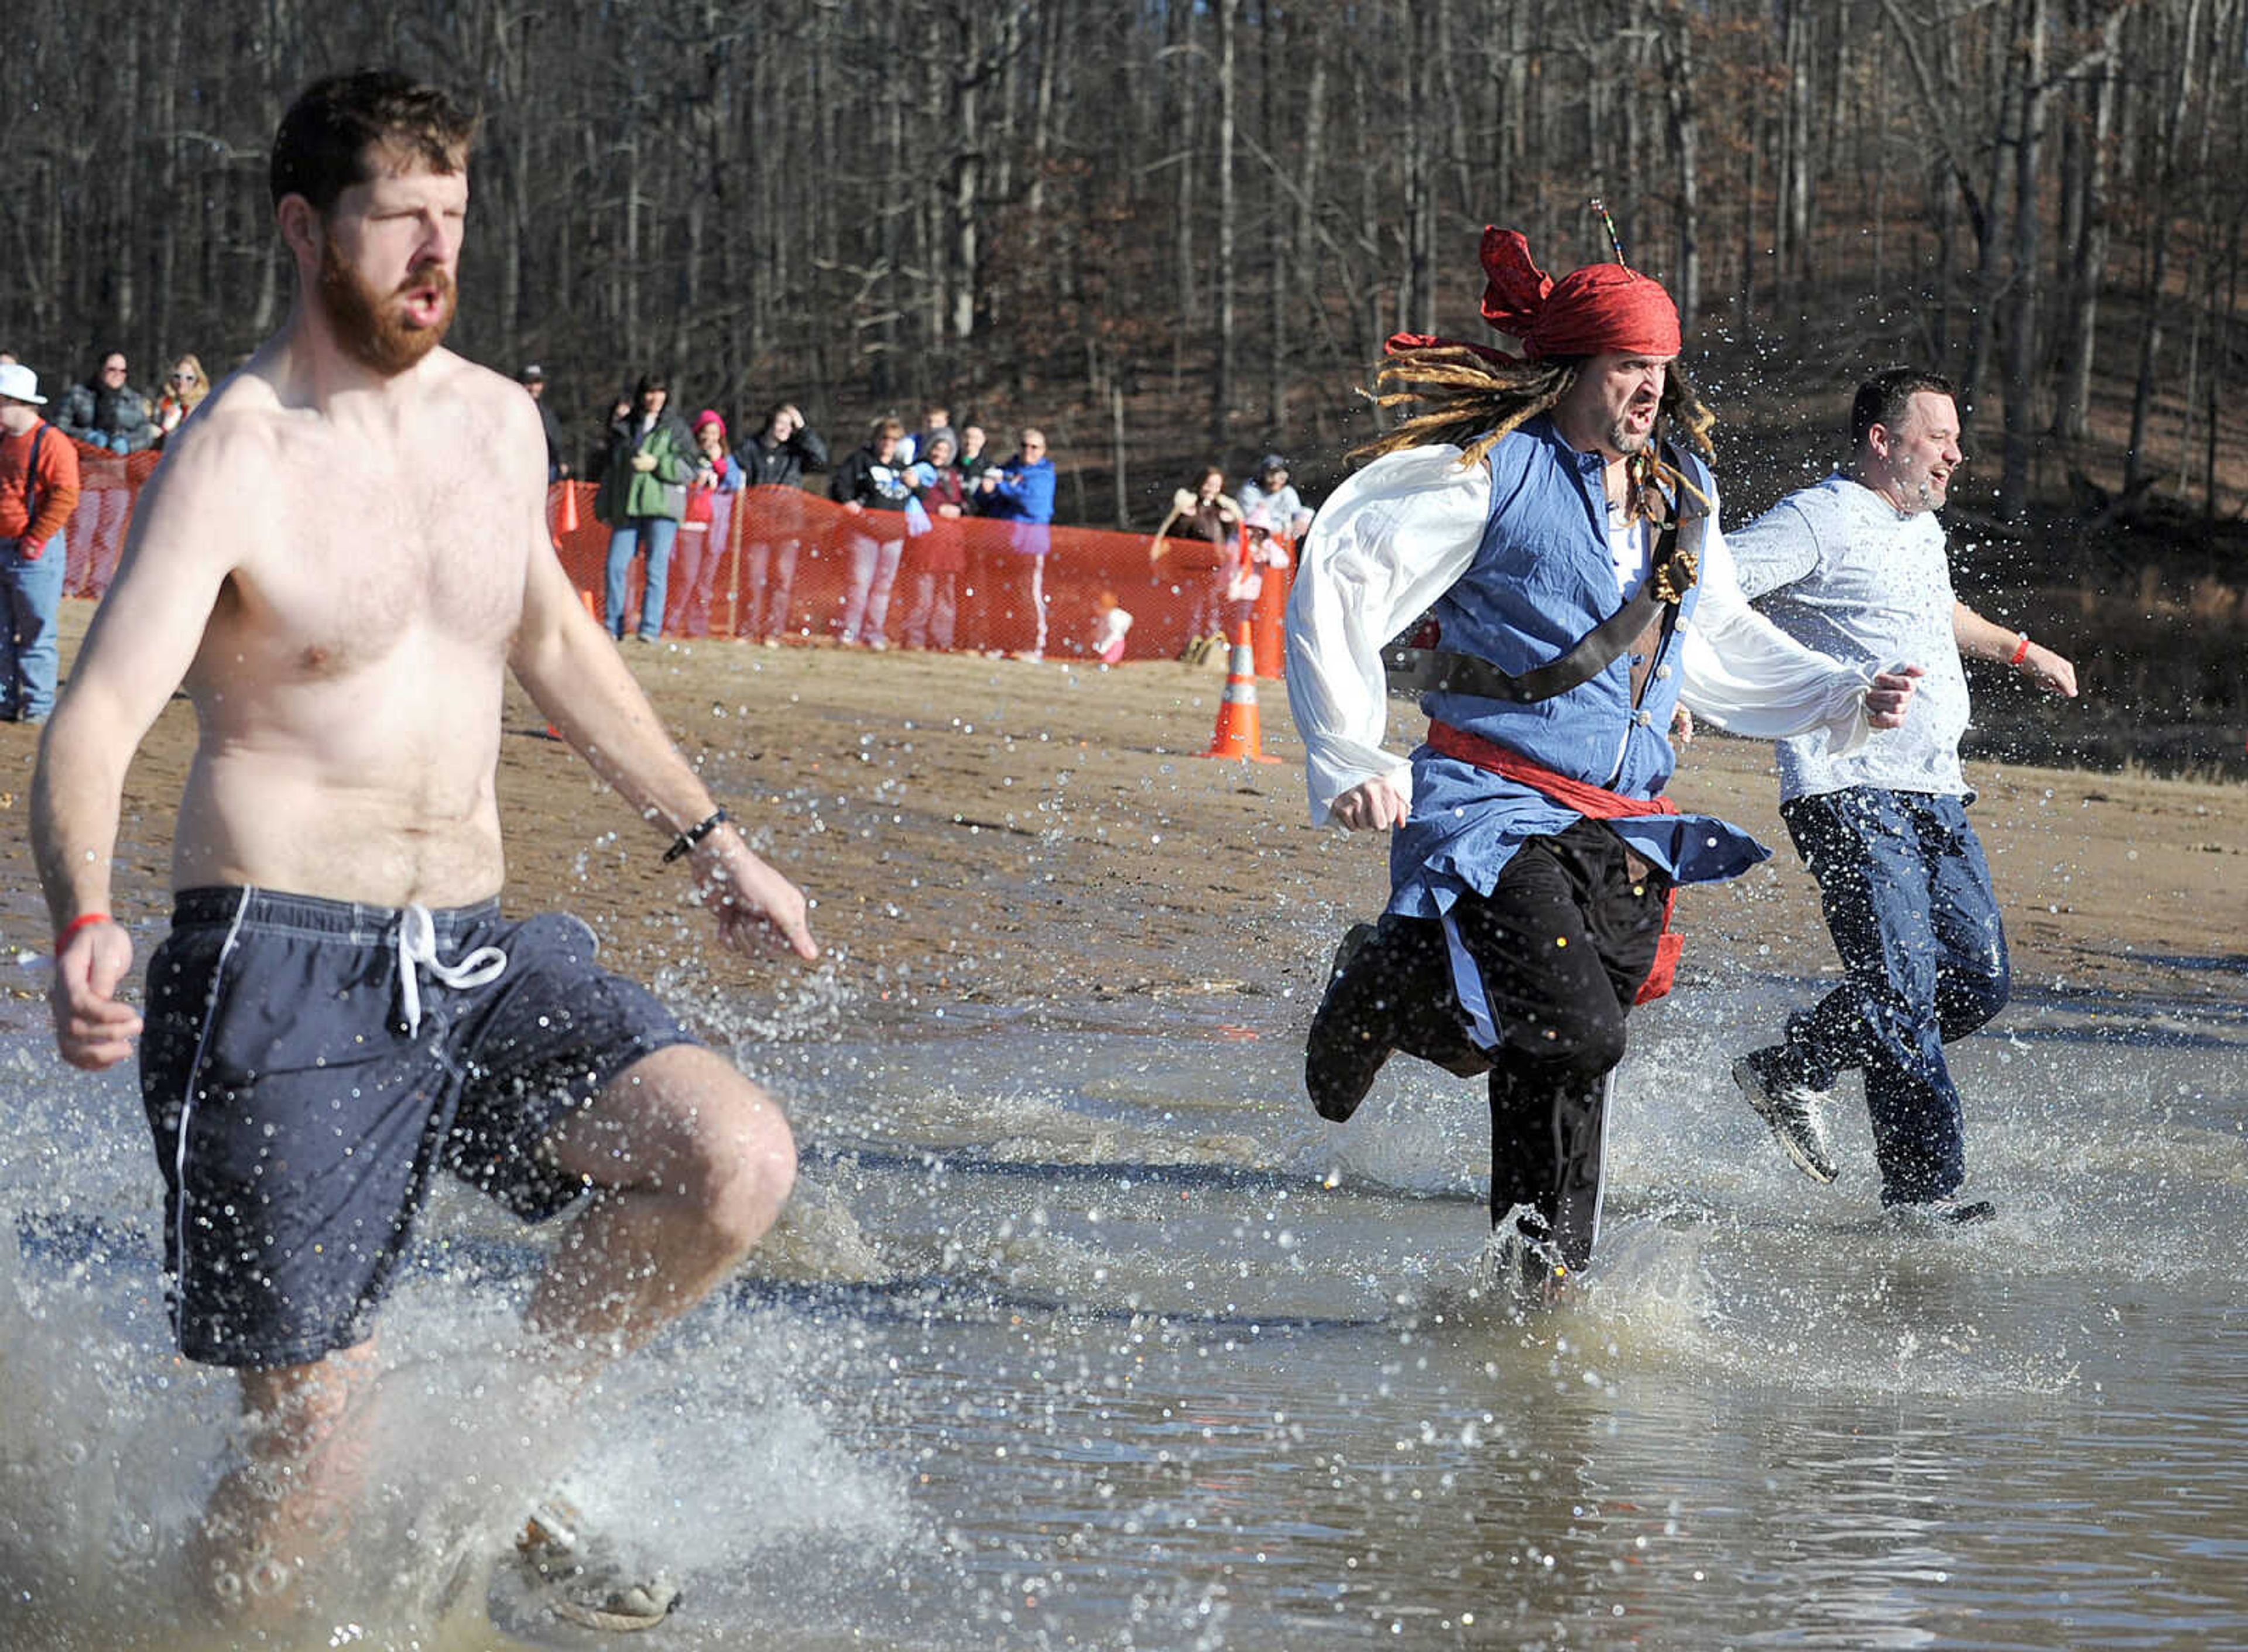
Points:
[[1516, 545], [1841, 570]]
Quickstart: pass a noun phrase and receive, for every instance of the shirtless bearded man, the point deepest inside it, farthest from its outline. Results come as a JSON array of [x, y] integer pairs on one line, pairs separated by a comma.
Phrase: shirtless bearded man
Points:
[[340, 559]]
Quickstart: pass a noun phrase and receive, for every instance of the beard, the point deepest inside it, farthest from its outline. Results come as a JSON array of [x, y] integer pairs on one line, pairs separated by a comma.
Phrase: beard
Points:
[[1625, 440], [365, 325]]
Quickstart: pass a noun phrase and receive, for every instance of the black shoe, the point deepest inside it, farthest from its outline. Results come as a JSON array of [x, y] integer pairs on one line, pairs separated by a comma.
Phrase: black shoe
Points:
[[1946, 1212], [1348, 1041], [1792, 1107], [1520, 1265]]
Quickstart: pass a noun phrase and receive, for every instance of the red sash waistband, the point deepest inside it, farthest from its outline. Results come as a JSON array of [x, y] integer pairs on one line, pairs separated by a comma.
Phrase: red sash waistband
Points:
[[1594, 802]]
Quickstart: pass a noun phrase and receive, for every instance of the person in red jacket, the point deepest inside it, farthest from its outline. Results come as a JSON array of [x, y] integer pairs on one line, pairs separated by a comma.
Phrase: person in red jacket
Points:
[[39, 490]]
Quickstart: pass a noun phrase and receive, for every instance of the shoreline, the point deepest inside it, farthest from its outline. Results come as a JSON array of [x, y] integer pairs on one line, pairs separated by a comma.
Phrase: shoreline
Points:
[[997, 832]]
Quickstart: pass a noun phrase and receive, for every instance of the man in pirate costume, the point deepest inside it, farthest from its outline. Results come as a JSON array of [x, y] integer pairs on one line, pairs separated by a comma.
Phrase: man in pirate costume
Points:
[[1540, 510]]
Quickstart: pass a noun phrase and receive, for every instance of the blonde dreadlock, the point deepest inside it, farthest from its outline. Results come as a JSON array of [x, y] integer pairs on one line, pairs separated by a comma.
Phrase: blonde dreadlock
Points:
[[1472, 399]]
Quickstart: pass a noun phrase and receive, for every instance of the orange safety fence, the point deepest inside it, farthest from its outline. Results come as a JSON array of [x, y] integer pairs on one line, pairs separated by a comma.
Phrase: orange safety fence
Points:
[[785, 564], [109, 485], [788, 565]]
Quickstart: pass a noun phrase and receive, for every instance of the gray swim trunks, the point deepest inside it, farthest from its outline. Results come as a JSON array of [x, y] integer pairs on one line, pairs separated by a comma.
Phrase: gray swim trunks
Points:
[[309, 1065]]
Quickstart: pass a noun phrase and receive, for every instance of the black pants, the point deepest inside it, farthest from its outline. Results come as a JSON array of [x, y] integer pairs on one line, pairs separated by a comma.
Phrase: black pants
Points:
[[1560, 945]]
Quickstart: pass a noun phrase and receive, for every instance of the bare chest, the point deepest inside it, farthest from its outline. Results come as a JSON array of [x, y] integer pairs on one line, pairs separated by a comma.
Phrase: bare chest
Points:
[[358, 554]]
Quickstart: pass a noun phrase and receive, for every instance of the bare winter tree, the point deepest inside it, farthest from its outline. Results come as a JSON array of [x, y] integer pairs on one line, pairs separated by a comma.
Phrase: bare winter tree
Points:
[[1192, 222]]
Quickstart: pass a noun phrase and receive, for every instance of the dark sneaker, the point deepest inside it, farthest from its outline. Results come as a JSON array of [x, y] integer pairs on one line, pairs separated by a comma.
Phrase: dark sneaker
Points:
[[581, 1580], [1792, 1107], [1945, 1213], [1347, 1043]]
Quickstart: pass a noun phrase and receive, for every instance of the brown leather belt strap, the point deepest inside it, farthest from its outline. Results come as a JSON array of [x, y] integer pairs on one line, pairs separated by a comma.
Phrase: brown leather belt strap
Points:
[[1414, 670]]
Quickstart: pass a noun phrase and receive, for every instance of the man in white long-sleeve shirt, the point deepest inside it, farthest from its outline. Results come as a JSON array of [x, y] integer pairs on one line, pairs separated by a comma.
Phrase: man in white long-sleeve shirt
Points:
[[1856, 566], [1570, 558]]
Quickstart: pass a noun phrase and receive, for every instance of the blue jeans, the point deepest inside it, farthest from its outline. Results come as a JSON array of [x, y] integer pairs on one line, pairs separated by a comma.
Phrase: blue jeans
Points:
[[654, 535], [1908, 899], [28, 659]]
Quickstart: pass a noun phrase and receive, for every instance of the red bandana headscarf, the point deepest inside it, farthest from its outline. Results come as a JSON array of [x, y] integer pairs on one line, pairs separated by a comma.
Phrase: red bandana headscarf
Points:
[[1601, 307]]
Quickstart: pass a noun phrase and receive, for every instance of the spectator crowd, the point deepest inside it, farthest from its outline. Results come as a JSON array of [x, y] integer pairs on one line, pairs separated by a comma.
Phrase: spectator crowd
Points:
[[666, 487]]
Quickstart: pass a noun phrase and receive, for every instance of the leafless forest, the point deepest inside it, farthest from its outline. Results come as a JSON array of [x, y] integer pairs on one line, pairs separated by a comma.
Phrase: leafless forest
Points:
[[1205, 215], [1172, 231]]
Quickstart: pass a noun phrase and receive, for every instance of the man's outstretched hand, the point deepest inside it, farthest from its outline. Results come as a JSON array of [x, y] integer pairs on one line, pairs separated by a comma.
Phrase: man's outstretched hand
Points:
[[755, 906], [2049, 670], [93, 1028]]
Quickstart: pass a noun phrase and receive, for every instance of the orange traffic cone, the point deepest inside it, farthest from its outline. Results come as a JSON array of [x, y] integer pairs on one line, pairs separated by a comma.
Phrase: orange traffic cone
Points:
[[1239, 734], [1271, 616], [565, 513]]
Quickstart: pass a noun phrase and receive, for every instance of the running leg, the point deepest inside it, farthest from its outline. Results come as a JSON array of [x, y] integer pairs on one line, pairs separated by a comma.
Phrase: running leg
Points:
[[289, 1503], [1548, 1159], [1974, 975], [692, 1164], [1865, 847], [1553, 958]]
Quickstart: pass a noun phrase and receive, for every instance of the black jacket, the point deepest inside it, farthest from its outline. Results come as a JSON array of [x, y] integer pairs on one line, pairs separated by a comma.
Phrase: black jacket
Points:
[[873, 484], [782, 466], [557, 459], [115, 419]]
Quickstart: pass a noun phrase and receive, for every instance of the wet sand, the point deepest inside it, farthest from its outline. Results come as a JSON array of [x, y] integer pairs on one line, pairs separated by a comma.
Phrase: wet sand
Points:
[[1005, 833]]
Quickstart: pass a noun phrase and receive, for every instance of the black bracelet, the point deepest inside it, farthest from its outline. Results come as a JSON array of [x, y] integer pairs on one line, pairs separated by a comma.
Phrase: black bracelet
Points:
[[685, 842]]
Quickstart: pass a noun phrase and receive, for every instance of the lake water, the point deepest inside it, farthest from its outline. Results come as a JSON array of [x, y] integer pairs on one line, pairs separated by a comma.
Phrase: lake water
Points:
[[1085, 1332]]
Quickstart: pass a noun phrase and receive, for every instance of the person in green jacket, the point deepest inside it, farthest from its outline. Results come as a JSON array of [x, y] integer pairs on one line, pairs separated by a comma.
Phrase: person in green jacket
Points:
[[643, 494]]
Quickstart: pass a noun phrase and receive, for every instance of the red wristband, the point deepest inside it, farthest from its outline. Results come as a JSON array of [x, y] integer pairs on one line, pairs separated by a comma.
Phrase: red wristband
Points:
[[2022, 652], [84, 920]]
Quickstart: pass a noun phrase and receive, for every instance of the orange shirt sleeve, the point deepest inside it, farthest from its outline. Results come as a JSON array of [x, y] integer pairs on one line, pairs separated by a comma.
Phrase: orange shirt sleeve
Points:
[[57, 487]]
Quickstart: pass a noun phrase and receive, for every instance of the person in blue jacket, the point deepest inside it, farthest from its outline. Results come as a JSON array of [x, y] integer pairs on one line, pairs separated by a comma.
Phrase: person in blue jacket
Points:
[[1021, 491]]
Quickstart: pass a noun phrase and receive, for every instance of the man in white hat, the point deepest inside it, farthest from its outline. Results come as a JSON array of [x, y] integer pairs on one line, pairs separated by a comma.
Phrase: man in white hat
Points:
[[39, 490]]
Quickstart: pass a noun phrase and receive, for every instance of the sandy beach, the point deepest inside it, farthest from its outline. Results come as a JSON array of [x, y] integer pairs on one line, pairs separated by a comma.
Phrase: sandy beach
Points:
[[1001, 832]]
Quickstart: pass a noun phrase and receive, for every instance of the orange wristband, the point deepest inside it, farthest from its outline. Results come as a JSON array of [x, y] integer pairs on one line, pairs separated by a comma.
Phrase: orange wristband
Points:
[[84, 920], [2022, 652]]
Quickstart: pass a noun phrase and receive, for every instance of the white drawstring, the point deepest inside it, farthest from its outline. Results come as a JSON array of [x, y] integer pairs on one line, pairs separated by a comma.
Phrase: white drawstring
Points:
[[417, 950]]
